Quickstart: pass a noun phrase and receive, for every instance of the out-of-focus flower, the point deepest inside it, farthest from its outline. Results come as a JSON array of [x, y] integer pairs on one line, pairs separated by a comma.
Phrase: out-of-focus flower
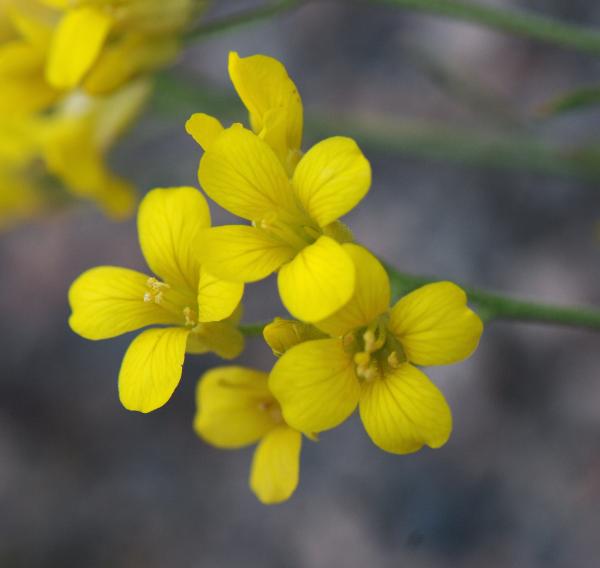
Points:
[[101, 44], [235, 409], [369, 357], [20, 191], [27, 31], [200, 312], [79, 70], [77, 136]]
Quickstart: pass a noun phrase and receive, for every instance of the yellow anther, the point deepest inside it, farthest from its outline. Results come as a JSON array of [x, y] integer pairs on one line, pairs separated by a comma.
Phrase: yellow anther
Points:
[[367, 372], [156, 290], [369, 339], [362, 359], [189, 315], [393, 360]]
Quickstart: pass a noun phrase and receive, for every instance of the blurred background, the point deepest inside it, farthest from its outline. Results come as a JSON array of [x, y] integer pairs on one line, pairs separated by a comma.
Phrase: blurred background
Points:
[[471, 183]]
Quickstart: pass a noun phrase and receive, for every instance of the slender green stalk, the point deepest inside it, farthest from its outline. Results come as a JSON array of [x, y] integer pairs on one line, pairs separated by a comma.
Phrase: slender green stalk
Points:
[[246, 17], [513, 21], [489, 306], [499, 307], [579, 99]]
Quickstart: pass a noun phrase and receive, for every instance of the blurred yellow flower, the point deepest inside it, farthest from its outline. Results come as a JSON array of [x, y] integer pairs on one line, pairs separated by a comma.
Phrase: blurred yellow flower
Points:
[[200, 312], [369, 357], [101, 44], [24, 45], [77, 136], [21, 182], [235, 409]]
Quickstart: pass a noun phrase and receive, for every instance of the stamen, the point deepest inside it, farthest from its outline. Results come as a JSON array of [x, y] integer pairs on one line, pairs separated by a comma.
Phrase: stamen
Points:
[[369, 339], [190, 316], [156, 290], [393, 360]]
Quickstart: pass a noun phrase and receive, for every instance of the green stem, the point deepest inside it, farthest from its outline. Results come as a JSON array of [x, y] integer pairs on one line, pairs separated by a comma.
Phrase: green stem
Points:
[[489, 306], [499, 307], [517, 22], [241, 19]]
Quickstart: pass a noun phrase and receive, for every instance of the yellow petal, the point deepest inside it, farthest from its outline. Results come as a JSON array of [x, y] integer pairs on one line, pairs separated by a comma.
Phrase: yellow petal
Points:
[[243, 175], [107, 301], [435, 326], [234, 407], [331, 178], [169, 222], [318, 281], [221, 337], [242, 254], [263, 85], [217, 299], [282, 334], [405, 411], [151, 368], [316, 385], [76, 45], [204, 129], [371, 295], [276, 465]]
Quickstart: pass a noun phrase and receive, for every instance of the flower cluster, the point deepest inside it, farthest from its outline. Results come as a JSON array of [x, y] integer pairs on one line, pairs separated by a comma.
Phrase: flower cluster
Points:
[[75, 73], [346, 347]]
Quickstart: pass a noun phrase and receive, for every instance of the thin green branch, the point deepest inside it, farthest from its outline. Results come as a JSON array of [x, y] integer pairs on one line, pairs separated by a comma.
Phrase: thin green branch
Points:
[[579, 99], [489, 306], [518, 22], [493, 307], [242, 19]]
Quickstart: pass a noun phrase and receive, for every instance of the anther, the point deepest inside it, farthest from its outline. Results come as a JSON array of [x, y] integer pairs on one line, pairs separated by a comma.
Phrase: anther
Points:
[[189, 315], [156, 290], [393, 360], [369, 339]]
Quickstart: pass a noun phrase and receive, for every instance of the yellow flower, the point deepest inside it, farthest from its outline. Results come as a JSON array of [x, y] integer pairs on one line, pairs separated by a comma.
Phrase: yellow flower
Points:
[[369, 357], [198, 310], [295, 229], [236, 409], [104, 43], [77, 137]]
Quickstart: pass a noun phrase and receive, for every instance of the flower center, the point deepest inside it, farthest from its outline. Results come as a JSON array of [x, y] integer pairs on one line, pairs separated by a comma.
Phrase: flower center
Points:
[[173, 300], [293, 232], [272, 408], [376, 350]]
